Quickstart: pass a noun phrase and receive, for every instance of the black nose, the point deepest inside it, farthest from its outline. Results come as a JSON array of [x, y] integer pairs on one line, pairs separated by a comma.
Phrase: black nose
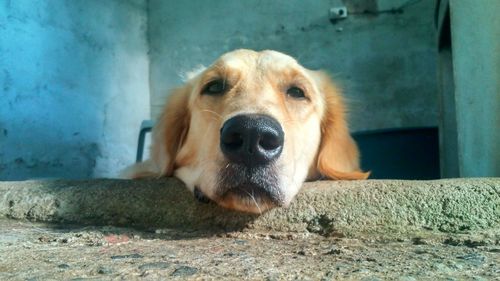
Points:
[[252, 139]]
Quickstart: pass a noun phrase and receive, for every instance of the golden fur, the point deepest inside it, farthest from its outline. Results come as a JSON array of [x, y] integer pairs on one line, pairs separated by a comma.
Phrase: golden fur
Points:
[[317, 141]]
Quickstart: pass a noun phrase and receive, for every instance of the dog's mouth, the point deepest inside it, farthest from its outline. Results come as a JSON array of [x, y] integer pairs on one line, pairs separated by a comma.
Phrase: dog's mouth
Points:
[[248, 189], [248, 179]]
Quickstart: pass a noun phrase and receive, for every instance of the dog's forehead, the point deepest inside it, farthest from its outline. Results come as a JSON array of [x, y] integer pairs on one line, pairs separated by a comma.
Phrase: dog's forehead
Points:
[[264, 60]]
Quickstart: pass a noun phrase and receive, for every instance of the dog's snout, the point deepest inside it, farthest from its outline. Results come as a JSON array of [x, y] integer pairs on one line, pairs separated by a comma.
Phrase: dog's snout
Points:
[[252, 139]]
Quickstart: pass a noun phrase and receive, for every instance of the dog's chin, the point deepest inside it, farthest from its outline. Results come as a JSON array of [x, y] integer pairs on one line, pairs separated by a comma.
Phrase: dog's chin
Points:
[[249, 189], [245, 203]]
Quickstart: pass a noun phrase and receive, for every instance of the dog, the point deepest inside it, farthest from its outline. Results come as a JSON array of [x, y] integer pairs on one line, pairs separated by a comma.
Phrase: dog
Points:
[[247, 131]]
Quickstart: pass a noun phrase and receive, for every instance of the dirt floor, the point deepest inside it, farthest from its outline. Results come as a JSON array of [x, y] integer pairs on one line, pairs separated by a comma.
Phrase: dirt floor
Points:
[[31, 251]]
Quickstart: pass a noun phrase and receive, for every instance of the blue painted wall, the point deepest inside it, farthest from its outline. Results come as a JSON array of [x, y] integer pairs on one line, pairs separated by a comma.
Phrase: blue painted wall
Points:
[[475, 34], [75, 77], [73, 86]]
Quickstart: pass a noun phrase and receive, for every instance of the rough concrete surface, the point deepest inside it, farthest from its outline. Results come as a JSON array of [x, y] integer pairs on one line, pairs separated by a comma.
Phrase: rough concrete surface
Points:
[[41, 252], [322, 206], [361, 230]]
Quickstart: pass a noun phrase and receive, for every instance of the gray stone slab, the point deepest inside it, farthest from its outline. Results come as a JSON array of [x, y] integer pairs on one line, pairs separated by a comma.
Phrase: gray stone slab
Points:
[[329, 208]]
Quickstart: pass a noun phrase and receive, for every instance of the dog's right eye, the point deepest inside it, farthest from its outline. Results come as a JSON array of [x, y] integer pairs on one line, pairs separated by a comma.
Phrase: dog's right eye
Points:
[[296, 92], [216, 87]]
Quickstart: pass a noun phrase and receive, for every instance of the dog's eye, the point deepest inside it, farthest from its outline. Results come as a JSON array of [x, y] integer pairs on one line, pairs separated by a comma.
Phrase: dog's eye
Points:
[[215, 87], [295, 92]]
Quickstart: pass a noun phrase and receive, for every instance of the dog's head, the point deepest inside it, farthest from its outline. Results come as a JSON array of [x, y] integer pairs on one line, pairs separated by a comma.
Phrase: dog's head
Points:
[[251, 128]]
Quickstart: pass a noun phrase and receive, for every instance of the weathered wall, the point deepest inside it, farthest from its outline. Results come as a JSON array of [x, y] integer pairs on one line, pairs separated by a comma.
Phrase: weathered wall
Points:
[[74, 74], [475, 33], [387, 62], [73, 86]]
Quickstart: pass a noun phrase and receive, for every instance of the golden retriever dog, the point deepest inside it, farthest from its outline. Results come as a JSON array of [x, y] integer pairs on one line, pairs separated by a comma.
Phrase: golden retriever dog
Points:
[[250, 129]]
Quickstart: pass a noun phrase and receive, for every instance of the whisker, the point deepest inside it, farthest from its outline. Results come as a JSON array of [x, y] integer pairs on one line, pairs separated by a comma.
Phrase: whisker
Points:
[[253, 199], [256, 204], [212, 112]]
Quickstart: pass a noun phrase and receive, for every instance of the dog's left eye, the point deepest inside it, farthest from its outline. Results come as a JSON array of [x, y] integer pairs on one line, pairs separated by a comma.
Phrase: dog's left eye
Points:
[[215, 87], [296, 92]]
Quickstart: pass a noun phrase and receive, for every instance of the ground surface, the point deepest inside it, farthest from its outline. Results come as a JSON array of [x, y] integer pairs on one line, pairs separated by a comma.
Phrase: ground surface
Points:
[[31, 251], [354, 230]]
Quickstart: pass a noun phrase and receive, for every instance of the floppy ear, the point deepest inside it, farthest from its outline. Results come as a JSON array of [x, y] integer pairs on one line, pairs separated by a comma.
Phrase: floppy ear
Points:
[[170, 132], [338, 156]]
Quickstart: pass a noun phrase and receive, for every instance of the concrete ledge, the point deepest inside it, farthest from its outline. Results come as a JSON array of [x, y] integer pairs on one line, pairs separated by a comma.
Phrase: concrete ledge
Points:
[[324, 207]]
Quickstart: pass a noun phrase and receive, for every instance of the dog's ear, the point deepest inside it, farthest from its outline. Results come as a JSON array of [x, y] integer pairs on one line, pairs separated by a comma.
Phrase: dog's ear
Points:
[[171, 130], [338, 156]]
